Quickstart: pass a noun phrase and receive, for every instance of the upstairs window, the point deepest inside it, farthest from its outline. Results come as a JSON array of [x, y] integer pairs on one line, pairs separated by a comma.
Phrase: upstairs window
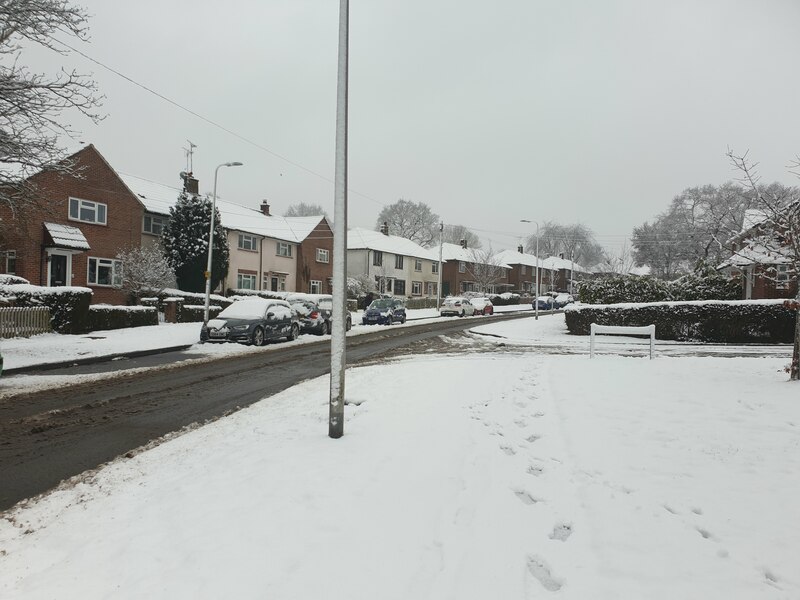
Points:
[[377, 258], [323, 255], [398, 261], [462, 266], [522, 270], [87, 211], [434, 267], [154, 224], [11, 262], [417, 264], [285, 249], [248, 242]]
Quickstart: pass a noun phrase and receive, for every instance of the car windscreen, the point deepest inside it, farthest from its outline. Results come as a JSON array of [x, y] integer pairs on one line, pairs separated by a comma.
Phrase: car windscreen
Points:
[[244, 310], [381, 304]]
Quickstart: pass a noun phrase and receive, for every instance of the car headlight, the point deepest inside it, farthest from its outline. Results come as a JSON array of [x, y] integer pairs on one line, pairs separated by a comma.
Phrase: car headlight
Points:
[[239, 327]]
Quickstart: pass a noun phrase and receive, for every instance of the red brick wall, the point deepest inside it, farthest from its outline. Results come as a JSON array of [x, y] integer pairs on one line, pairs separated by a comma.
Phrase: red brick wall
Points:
[[98, 183], [307, 266]]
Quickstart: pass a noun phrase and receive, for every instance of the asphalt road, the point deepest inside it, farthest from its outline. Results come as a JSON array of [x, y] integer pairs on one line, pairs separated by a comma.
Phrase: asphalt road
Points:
[[52, 435]]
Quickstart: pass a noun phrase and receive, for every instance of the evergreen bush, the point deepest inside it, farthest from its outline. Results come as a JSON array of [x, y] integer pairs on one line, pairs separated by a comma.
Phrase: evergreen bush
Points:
[[106, 316]]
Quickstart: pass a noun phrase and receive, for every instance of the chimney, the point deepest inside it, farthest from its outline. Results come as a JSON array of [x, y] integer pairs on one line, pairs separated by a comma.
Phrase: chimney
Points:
[[520, 249], [265, 207], [463, 244], [385, 228], [190, 184], [561, 255]]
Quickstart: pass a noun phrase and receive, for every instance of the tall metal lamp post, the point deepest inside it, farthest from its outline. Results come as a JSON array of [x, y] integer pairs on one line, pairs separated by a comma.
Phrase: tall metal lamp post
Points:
[[536, 297], [211, 237]]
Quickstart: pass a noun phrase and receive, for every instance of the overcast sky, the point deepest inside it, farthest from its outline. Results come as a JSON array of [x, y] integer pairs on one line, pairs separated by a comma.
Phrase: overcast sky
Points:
[[489, 112]]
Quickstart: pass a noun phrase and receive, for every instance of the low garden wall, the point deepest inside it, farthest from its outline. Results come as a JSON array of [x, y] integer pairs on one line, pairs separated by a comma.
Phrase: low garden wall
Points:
[[716, 321]]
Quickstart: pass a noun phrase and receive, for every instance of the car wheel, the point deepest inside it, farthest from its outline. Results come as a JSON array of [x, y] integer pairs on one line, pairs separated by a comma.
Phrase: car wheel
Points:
[[390, 321], [257, 339], [403, 320], [461, 314], [294, 333], [326, 328], [349, 323]]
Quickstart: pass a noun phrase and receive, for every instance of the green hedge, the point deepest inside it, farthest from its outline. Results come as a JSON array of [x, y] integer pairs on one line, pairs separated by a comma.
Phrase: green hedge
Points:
[[632, 288], [742, 321], [195, 313], [69, 306], [106, 316]]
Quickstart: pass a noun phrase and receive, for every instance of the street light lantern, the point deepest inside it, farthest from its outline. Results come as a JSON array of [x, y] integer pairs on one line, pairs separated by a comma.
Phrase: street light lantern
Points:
[[536, 297], [211, 238]]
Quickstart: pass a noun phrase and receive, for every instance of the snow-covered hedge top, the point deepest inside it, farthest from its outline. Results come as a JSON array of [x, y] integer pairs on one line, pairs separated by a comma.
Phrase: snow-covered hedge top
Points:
[[38, 290], [211, 308], [578, 306], [117, 308], [12, 279], [504, 295], [149, 299], [172, 299], [182, 294]]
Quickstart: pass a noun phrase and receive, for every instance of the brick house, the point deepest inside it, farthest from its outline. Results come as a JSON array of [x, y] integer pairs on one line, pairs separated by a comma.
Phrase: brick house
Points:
[[464, 268], [73, 234], [522, 275]]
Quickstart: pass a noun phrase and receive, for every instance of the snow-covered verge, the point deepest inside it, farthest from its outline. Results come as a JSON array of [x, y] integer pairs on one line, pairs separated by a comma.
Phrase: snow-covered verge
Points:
[[501, 476]]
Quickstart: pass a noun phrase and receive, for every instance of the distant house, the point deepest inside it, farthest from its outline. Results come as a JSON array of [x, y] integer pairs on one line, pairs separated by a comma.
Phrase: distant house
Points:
[[267, 252], [522, 275], [473, 270], [397, 265], [74, 233], [561, 275], [765, 272]]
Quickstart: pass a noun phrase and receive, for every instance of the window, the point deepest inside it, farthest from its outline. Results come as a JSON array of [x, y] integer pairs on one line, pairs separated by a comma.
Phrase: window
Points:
[[399, 287], [417, 264], [434, 267], [105, 271], [416, 288], [315, 287], [323, 255], [522, 270], [11, 262], [245, 281], [462, 266], [782, 276], [154, 224], [377, 258], [248, 242], [284, 249], [87, 211], [398, 261]]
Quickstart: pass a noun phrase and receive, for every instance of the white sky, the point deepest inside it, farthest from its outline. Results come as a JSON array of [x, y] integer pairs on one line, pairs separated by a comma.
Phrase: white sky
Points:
[[574, 111]]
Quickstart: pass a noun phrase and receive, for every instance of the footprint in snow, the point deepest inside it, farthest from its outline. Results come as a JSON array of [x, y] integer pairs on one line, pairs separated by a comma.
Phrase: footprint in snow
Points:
[[532, 438], [696, 510], [705, 533], [561, 532], [539, 569], [535, 471], [508, 450], [521, 423], [525, 497]]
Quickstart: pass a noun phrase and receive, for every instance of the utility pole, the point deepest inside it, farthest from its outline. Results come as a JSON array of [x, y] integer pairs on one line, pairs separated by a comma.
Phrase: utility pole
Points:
[[339, 324], [439, 281]]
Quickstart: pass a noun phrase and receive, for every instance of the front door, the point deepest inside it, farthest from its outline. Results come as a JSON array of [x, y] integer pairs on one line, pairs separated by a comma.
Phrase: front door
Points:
[[273, 284], [58, 270]]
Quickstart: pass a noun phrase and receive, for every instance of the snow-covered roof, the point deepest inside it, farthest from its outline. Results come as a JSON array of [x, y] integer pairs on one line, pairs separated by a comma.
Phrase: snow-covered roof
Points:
[[752, 217], [359, 238], [755, 254], [514, 257], [67, 236], [158, 198], [472, 255], [555, 263]]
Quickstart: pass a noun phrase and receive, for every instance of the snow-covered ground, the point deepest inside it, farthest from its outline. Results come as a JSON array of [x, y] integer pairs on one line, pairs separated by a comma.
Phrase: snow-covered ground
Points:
[[508, 475]]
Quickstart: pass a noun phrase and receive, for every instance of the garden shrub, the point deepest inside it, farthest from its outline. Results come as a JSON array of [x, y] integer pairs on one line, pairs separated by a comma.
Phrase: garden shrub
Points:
[[735, 322], [710, 285], [195, 313], [107, 316], [69, 306]]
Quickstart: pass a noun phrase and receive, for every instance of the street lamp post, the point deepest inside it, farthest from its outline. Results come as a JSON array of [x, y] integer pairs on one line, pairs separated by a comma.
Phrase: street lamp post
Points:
[[439, 269], [211, 237], [536, 297]]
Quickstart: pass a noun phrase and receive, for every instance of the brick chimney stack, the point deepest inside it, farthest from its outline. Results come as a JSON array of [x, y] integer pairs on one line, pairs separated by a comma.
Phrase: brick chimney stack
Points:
[[265, 207], [520, 249], [190, 184], [464, 244], [385, 228]]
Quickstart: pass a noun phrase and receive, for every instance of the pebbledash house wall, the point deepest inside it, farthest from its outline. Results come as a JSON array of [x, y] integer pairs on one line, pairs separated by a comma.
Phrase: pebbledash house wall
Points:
[[308, 267], [98, 182]]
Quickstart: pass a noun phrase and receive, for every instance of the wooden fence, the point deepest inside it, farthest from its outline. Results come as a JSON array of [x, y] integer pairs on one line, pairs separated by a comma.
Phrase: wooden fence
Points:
[[24, 321]]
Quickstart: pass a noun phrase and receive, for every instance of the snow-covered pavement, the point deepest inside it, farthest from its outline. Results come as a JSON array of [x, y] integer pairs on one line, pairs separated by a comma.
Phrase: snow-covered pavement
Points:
[[479, 475]]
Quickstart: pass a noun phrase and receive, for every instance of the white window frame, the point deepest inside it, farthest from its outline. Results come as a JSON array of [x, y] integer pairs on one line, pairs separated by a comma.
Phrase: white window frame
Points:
[[113, 264], [417, 265], [522, 270], [435, 267], [315, 283], [158, 220], [248, 243], [323, 255], [81, 204], [462, 266], [250, 277], [284, 249], [416, 288], [377, 258], [11, 255]]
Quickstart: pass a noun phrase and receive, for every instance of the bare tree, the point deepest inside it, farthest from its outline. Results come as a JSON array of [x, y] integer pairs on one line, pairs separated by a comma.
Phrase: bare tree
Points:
[[302, 209], [145, 271], [453, 234], [485, 268], [412, 220], [777, 235], [31, 104], [575, 242]]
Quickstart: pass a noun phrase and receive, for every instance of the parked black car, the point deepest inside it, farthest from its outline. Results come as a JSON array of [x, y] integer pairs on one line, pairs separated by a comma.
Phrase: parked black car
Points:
[[315, 313], [253, 321], [325, 304], [384, 312]]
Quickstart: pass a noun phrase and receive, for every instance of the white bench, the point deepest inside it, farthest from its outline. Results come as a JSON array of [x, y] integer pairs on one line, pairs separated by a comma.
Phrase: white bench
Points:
[[596, 329]]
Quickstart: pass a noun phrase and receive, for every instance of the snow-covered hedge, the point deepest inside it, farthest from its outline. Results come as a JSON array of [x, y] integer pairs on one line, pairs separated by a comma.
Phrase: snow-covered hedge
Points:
[[260, 293], [194, 313], [107, 316], [632, 288], [740, 321], [12, 280], [69, 306], [504, 299], [187, 297]]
